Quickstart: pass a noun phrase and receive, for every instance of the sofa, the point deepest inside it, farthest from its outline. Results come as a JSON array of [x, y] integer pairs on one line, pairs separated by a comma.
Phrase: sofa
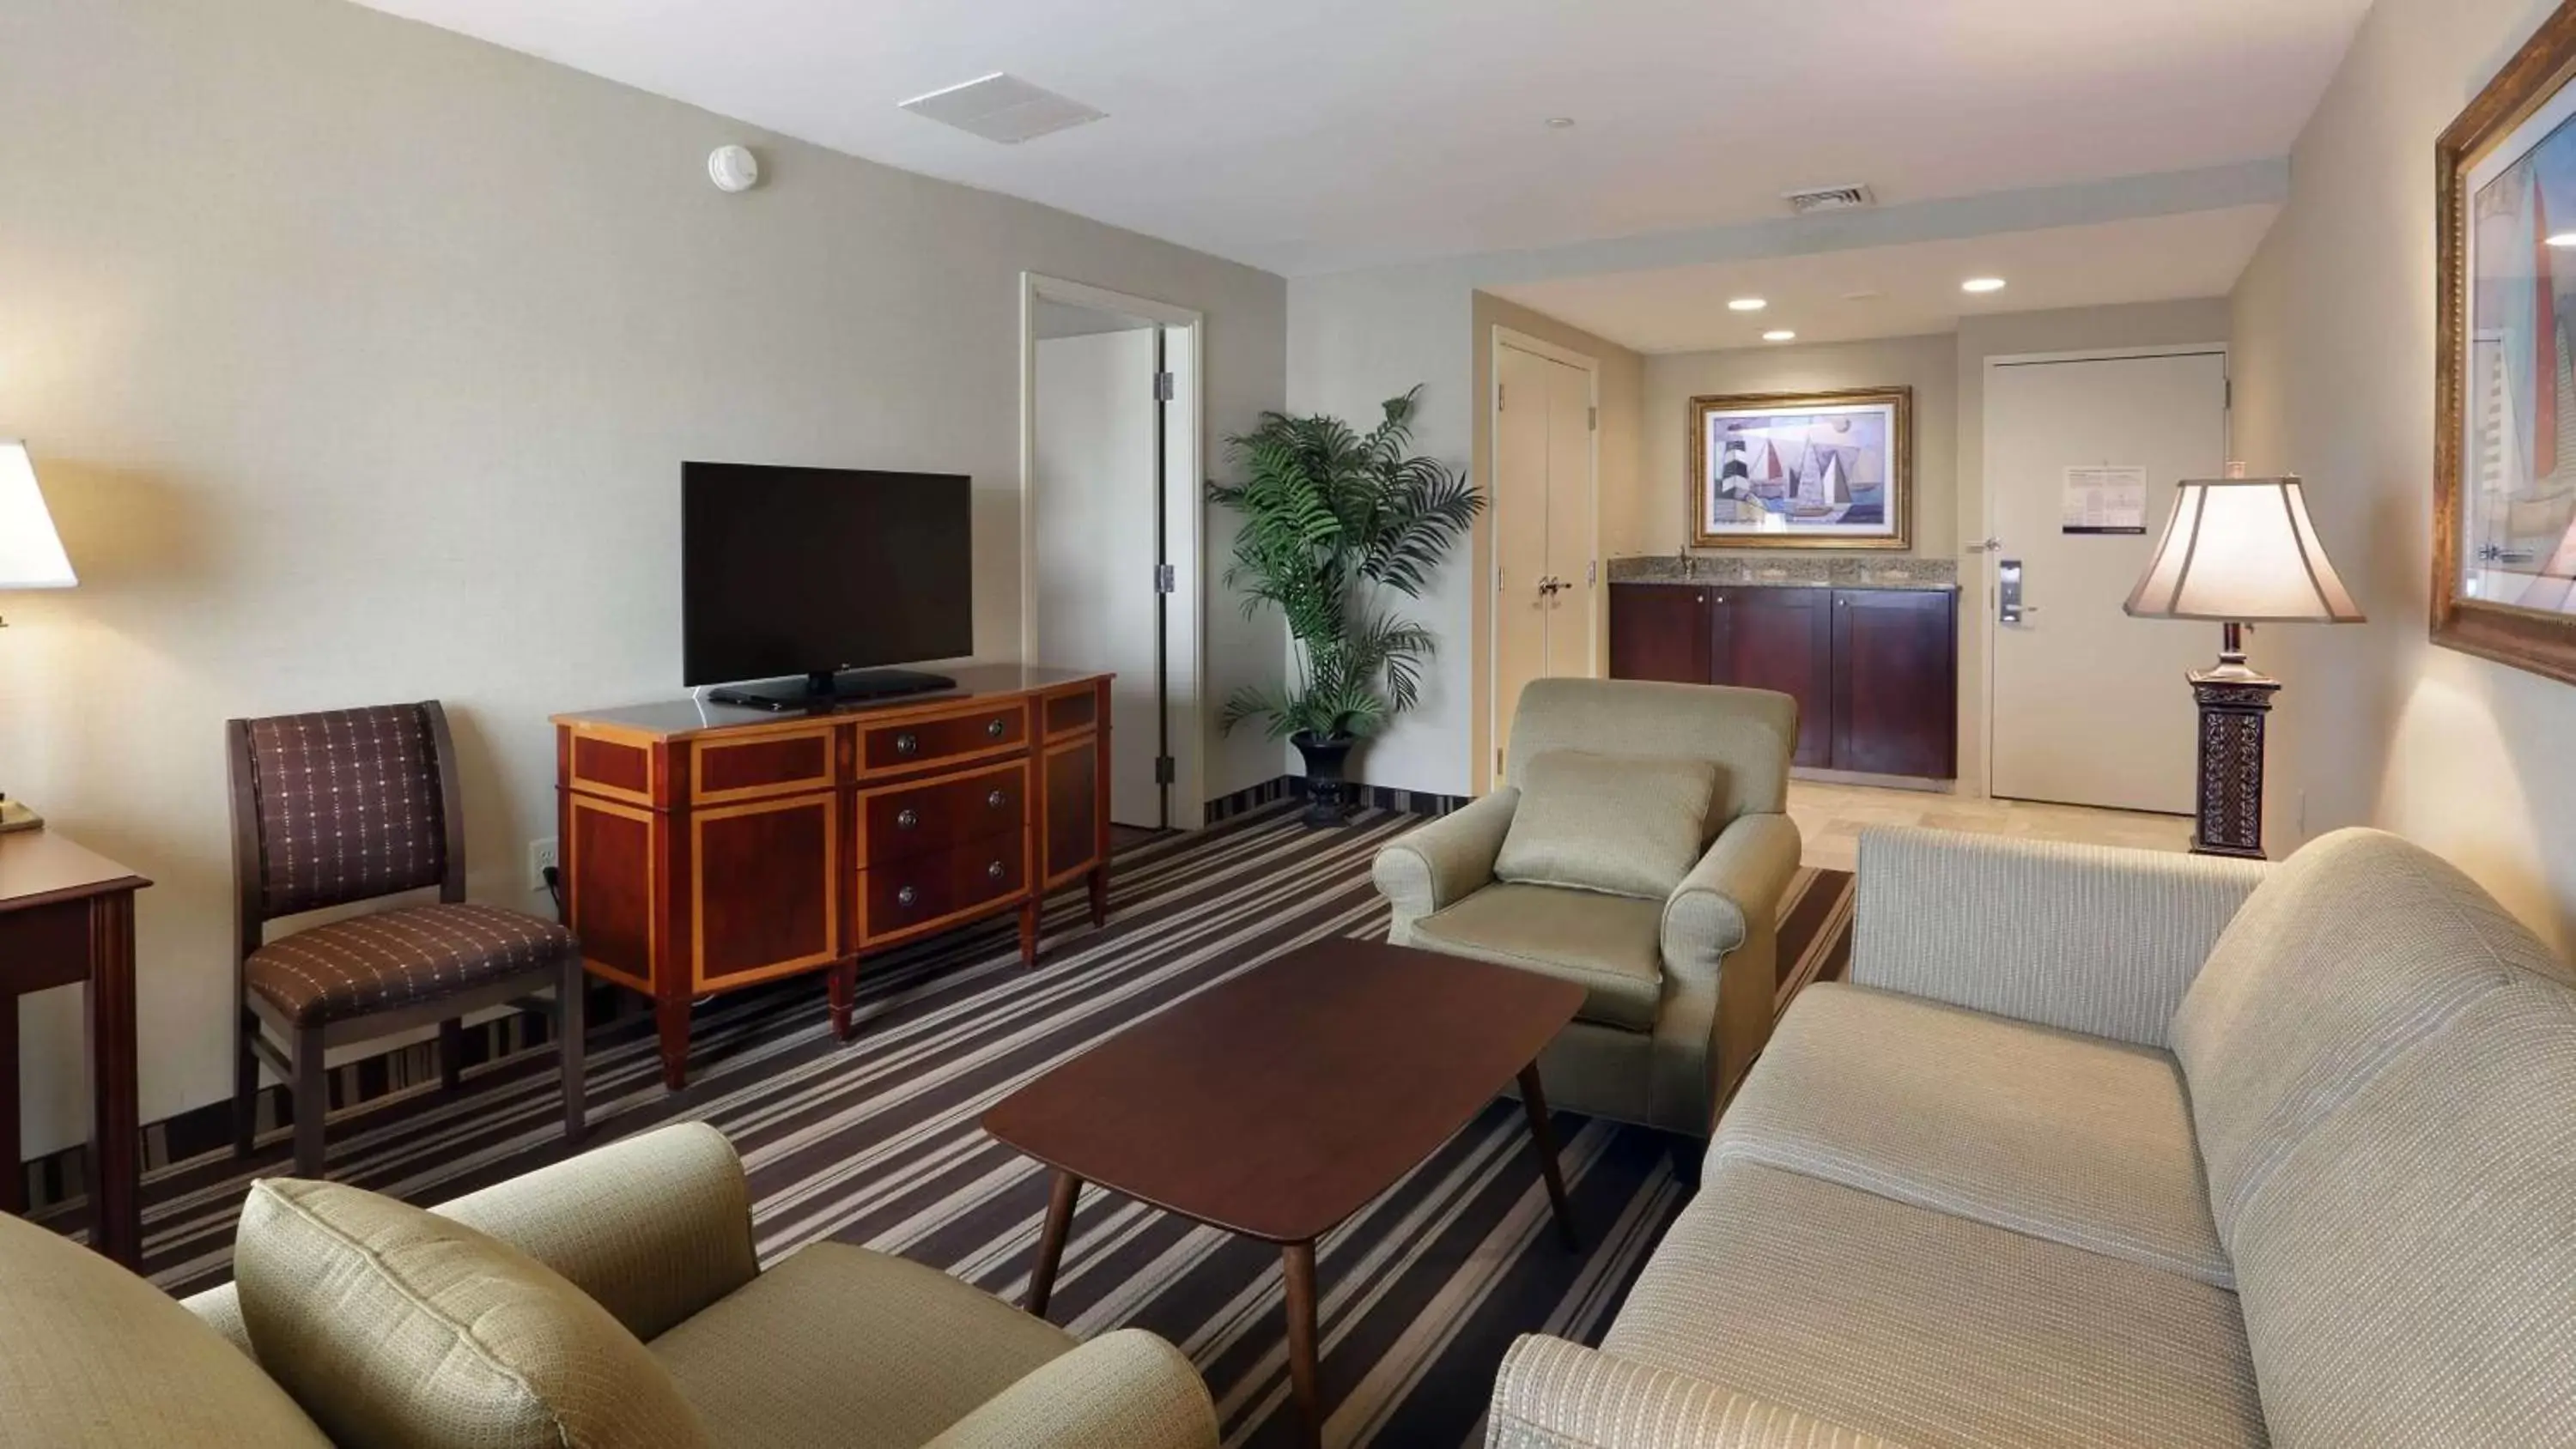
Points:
[[1677, 962], [834, 1345], [2114, 1148]]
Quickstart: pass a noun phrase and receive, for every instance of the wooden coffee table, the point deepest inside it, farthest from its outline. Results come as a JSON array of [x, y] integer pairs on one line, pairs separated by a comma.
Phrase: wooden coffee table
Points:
[[1281, 1102]]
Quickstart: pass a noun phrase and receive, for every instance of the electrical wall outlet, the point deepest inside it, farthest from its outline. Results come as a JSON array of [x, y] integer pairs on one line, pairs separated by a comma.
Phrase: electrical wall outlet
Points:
[[542, 857]]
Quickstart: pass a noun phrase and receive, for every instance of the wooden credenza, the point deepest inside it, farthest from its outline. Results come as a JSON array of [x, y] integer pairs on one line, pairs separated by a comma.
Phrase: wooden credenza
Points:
[[708, 848], [1875, 671]]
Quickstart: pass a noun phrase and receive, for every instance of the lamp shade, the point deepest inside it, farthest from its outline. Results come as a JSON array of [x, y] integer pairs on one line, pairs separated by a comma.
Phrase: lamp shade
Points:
[[31, 553], [2241, 550]]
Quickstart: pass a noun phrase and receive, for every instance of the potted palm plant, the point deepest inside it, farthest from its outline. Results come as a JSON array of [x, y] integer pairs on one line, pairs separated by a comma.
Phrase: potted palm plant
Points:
[[1335, 520]]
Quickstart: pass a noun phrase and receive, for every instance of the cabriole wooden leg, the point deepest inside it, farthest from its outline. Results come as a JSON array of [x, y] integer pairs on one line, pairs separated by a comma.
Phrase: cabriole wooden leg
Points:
[[1059, 1222], [1543, 1142], [1098, 880], [841, 985], [671, 1026], [1029, 932], [1297, 1260]]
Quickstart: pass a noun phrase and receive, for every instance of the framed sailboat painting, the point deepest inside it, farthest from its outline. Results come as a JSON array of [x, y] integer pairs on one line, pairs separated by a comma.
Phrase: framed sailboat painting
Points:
[[1803, 470]]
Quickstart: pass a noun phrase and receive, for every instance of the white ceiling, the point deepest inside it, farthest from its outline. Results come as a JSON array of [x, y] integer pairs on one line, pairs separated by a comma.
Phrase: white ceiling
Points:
[[1683, 309], [1328, 134]]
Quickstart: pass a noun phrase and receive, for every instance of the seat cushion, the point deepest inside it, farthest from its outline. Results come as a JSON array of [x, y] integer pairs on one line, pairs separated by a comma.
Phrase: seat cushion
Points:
[[2408, 1268], [1938, 1332], [392, 1325], [401, 957], [2351, 951], [1626, 824], [841, 1347], [1609, 945], [2073, 1138], [90, 1354]]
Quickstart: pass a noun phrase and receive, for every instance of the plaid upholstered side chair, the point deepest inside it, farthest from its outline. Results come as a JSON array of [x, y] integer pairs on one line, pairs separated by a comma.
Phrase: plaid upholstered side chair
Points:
[[346, 806]]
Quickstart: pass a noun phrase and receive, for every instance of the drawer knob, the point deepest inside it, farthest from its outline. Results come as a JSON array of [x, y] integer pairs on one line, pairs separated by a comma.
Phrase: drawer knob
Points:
[[907, 743], [907, 818], [997, 800], [997, 728], [906, 896], [995, 870]]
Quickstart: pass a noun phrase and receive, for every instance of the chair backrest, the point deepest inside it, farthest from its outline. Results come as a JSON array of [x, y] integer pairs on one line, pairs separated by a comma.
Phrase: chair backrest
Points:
[[343, 805], [1748, 734]]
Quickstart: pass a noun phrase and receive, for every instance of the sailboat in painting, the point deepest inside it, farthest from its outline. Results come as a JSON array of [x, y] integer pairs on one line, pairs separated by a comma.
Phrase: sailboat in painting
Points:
[[1824, 490]]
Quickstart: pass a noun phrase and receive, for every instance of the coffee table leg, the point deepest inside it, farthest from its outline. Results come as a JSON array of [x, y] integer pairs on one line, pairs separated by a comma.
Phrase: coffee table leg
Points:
[[1059, 1220], [1543, 1140], [1298, 1262]]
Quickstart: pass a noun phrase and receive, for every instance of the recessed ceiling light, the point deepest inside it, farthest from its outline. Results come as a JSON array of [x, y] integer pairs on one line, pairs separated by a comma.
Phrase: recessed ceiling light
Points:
[[1982, 284], [1560, 123], [1779, 334], [1746, 304], [2561, 239]]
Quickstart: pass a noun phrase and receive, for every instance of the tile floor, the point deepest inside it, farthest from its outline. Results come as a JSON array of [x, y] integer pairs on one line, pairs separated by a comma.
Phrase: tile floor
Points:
[[1831, 818]]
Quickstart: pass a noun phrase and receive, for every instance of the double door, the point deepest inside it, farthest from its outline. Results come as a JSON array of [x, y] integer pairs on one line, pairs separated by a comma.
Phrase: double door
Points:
[[1874, 671], [1544, 620]]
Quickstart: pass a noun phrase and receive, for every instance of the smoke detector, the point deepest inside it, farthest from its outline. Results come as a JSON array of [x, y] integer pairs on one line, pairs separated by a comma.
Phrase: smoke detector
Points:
[[1002, 107], [1829, 198]]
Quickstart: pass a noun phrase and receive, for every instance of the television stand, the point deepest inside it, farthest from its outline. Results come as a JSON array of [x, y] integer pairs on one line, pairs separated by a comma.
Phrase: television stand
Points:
[[828, 691]]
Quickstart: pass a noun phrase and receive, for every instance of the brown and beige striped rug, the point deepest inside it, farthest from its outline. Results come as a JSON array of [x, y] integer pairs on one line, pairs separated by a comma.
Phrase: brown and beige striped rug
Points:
[[877, 1143]]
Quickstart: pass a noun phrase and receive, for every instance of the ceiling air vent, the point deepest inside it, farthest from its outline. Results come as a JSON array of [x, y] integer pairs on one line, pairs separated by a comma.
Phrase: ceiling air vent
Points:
[[1829, 198], [1002, 107]]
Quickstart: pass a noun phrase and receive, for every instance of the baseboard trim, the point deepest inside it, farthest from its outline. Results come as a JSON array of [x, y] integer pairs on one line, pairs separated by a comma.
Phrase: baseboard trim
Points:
[[1373, 797]]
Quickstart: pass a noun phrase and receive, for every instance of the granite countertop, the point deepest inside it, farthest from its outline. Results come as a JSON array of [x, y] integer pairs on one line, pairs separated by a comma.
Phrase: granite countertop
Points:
[[1811, 571]]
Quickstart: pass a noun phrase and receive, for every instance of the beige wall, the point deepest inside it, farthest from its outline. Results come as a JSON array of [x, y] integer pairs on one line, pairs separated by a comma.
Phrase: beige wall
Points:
[[1661, 510], [359, 359], [2334, 376]]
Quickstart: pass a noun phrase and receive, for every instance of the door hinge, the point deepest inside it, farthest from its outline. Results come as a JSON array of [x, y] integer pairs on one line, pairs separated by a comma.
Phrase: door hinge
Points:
[[1167, 579], [2227, 398], [1498, 397], [1592, 419], [1166, 770], [1498, 759], [1165, 387]]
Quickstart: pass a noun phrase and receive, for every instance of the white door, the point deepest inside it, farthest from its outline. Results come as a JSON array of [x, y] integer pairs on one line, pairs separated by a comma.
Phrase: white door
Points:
[[2088, 706], [1543, 545], [1098, 507]]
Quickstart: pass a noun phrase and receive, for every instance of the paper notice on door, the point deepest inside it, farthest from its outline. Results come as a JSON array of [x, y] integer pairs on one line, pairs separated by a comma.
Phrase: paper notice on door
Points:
[[2105, 499]]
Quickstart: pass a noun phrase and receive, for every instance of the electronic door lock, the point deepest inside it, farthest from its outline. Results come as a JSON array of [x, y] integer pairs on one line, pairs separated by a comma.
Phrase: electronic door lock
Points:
[[2008, 605]]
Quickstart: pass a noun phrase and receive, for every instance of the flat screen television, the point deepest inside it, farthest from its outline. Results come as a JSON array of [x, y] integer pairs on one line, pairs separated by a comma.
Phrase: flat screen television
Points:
[[808, 574]]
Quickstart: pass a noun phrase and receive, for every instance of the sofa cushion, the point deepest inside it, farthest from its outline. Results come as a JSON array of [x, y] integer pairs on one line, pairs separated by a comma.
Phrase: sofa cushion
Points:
[[392, 1325], [841, 1347], [2408, 1266], [1624, 824], [91, 1354], [2354, 949], [2072, 1138], [1611, 946], [1936, 1331]]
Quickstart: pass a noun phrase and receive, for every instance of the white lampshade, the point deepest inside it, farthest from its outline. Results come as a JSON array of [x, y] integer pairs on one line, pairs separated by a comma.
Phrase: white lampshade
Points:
[[2241, 550], [31, 553]]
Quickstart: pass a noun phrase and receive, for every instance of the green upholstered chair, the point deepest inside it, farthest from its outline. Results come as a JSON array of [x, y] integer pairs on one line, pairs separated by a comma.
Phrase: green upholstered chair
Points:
[[1676, 952]]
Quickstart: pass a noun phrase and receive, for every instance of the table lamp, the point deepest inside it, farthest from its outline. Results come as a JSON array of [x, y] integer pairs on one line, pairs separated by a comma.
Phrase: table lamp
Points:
[[2238, 551], [31, 557]]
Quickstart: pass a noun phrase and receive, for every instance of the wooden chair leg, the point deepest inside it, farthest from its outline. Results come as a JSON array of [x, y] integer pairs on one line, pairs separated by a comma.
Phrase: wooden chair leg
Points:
[[451, 1054], [312, 1103], [245, 1080], [572, 1023]]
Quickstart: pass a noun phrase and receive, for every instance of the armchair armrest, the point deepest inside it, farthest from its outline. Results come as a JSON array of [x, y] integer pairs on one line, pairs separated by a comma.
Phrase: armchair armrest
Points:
[[1557, 1395], [2083, 937], [1443, 862], [1739, 882], [1123, 1390], [655, 1227], [1721, 958]]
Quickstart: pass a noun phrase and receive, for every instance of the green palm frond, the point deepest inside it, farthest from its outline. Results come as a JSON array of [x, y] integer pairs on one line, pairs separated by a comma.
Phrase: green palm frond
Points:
[[1331, 515]]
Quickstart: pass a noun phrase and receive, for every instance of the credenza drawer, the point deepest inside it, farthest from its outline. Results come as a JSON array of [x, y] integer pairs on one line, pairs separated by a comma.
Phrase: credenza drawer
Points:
[[906, 895], [964, 735], [769, 764], [910, 820]]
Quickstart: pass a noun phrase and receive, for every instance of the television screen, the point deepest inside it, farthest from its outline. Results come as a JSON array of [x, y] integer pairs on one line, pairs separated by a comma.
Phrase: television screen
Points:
[[812, 570]]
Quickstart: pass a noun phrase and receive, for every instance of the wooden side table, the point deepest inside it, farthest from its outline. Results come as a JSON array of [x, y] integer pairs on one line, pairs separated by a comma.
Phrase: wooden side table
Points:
[[67, 915]]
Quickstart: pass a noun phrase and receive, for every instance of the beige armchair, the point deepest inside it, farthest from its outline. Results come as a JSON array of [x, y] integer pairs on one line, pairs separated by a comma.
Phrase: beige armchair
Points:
[[1679, 983]]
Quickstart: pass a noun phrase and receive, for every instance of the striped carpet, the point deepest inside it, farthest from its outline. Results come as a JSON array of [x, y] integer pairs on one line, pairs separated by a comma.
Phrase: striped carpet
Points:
[[877, 1143]]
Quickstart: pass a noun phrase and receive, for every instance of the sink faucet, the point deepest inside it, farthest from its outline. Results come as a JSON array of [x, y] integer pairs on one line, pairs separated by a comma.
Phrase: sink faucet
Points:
[[1688, 561]]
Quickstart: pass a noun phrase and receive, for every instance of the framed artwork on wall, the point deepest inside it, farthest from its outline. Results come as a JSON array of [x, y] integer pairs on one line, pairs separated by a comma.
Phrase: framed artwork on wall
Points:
[[1803, 469], [2504, 449]]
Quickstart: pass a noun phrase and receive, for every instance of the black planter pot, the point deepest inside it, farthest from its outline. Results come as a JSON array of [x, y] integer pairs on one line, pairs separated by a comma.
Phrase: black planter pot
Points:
[[1327, 798]]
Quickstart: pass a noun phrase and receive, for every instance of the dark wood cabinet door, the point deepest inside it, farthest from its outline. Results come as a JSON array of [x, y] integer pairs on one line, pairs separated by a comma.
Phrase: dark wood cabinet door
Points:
[[1780, 639], [1895, 678], [1659, 632]]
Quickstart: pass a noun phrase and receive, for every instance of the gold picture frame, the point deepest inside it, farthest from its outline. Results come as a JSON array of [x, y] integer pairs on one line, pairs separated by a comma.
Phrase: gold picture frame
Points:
[[2504, 525], [1819, 470]]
